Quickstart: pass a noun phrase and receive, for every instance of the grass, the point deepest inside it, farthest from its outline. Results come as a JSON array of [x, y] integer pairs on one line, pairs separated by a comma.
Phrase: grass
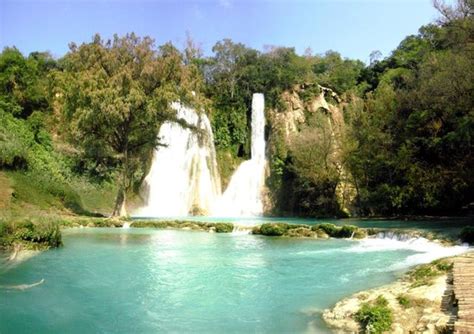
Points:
[[31, 195], [424, 274], [404, 301]]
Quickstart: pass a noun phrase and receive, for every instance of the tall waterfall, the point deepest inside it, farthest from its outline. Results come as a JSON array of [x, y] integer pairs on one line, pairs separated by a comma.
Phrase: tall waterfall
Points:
[[183, 177], [243, 196]]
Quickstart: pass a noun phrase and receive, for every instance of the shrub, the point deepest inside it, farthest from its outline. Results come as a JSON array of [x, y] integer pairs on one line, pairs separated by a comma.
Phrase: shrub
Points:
[[37, 236], [305, 232], [467, 235], [15, 141], [256, 230], [273, 229], [224, 227], [404, 301], [347, 231], [442, 265], [375, 317], [330, 229]]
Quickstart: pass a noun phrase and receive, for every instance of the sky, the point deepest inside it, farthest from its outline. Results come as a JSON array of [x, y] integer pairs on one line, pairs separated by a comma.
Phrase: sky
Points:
[[353, 28]]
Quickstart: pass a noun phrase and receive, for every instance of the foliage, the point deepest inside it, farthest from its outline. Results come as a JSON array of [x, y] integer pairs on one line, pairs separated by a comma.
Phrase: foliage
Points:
[[424, 274], [15, 142], [334, 72], [314, 164], [404, 301], [413, 132], [115, 96], [330, 229], [375, 317], [217, 227], [323, 230], [23, 82], [406, 144], [224, 227], [30, 235], [345, 231], [273, 229], [44, 177]]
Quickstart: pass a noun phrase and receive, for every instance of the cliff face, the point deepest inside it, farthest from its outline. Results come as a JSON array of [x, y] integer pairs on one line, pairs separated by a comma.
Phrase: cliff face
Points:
[[317, 111]]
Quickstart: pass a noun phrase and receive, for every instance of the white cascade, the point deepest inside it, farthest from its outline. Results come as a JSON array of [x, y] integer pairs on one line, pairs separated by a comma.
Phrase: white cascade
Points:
[[183, 178], [243, 196]]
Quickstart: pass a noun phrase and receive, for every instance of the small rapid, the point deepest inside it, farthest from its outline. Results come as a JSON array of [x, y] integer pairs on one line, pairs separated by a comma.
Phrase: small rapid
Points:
[[425, 250]]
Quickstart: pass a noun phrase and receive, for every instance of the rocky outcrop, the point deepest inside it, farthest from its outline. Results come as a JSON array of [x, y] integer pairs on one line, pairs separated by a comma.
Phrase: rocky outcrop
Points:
[[297, 109], [421, 302], [300, 105], [425, 316]]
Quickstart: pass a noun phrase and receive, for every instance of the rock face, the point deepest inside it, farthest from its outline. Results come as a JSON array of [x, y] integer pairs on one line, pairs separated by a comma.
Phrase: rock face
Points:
[[303, 102], [296, 109]]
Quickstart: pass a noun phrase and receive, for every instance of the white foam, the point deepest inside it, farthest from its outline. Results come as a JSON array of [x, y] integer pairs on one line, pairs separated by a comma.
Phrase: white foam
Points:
[[426, 250]]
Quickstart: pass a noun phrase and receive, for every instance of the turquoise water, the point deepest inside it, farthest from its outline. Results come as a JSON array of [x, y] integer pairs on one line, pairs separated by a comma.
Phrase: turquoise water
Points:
[[154, 281]]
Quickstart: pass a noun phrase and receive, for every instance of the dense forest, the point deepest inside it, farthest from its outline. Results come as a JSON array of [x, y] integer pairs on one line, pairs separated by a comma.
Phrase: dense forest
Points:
[[90, 120]]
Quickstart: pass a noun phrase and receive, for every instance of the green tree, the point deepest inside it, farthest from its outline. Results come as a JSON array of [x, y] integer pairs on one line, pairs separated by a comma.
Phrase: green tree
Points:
[[116, 94], [23, 82]]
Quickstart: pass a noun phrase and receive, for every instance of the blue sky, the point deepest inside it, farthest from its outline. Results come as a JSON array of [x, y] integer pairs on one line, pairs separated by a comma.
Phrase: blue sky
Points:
[[352, 27]]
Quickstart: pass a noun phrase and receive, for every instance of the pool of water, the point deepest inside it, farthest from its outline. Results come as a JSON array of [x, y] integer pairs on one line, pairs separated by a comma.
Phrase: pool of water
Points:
[[150, 281]]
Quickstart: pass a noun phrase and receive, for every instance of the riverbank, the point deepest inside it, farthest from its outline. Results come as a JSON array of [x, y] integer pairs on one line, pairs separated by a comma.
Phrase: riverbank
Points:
[[419, 302]]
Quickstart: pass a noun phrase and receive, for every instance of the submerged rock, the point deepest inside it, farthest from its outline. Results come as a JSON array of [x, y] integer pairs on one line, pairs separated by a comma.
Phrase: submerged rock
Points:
[[302, 232], [322, 231], [186, 225]]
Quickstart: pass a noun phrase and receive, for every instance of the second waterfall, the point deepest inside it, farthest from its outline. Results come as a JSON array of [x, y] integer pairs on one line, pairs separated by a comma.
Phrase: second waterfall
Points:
[[243, 196]]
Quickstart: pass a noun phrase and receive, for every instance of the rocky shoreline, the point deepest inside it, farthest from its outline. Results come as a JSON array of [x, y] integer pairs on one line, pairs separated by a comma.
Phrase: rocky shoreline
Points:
[[420, 302]]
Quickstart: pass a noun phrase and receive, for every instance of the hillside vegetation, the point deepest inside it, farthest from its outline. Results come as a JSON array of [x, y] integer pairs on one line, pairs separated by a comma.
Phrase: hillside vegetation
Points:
[[77, 133]]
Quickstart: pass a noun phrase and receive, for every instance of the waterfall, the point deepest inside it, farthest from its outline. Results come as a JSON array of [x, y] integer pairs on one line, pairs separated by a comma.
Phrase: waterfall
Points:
[[243, 196], [183, 178]]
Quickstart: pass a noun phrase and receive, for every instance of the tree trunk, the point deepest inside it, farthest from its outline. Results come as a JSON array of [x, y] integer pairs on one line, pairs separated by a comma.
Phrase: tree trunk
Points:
[[120, 209]]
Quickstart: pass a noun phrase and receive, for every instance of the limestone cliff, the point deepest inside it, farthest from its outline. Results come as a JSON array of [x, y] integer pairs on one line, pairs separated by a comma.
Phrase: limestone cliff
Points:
[[299, 107]]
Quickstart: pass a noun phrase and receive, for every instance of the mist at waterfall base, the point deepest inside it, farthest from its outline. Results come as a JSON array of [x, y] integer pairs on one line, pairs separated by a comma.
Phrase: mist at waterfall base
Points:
[[149, 281], [184, 176]]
